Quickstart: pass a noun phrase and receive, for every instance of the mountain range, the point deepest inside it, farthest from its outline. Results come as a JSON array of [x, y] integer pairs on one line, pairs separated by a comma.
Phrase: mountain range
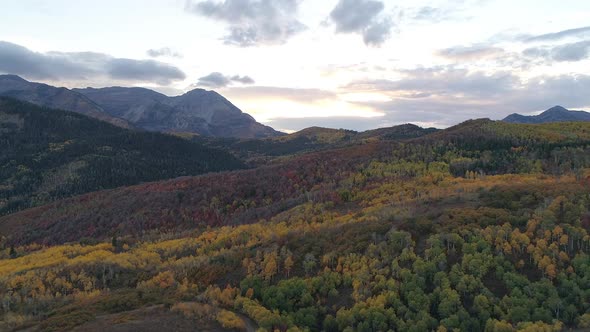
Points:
[[59, 98], [198, 111], [554, 114]]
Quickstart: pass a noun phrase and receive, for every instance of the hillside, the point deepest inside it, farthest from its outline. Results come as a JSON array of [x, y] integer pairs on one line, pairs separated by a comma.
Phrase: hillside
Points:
[[47, 154], [474, 147], [554, 114], [406, 131], [482, 226], [198, 111], [262, 151], [52, 97]]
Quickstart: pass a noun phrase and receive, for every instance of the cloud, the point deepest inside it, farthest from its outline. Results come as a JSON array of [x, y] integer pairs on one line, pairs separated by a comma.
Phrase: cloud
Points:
[[377, 33], [554, 36], [446, 95], [451, 10], [363, 17], [267, 92], [440, 81], [432, 14], [572, 52], [567, 52], [16, 59], [243, 79], [537, 52], [438, 96], [214, 80], [468, 53], [252, 22], [163, 51], [355, 15], [143, 71], [218, 80], [19, 60]]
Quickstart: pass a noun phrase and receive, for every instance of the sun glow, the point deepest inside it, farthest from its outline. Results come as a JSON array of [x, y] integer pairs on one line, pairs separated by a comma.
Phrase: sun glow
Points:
[[264, 110]]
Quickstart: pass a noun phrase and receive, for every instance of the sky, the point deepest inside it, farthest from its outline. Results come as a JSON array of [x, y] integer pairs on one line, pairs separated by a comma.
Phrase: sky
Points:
[[292, 64]]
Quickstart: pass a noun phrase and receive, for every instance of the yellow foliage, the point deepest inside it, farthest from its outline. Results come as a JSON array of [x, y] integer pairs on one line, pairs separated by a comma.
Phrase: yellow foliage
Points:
[[540, 327], [231, 321], [162, 280]]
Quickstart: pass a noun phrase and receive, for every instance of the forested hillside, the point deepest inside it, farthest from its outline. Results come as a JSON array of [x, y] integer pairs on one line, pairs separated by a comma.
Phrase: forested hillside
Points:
[[482, 226], [48, 154], [261, 151]]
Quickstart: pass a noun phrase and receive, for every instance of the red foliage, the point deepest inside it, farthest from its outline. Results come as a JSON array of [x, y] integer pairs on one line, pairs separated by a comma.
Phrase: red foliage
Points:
[[218, 199]]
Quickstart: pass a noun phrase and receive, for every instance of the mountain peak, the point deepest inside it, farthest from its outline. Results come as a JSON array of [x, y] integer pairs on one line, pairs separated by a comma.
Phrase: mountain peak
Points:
[[557, 108], [197, 111], [554, 114], [12, 77], [197, 91]]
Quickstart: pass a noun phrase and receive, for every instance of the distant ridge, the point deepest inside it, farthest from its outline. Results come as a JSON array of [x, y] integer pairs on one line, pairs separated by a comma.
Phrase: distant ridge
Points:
[[554, 114], [60, 98]]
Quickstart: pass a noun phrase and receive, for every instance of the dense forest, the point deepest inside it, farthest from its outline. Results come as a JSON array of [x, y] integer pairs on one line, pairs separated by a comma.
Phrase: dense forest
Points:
[[480, 227], [48, 154]]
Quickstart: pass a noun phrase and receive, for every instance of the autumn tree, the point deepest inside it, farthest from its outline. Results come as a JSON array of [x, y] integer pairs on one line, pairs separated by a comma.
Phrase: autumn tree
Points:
[[288, 264]]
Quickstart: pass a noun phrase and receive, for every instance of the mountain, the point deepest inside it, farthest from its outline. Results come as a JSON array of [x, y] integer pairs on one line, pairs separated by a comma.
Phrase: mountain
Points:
[[554, 114], [46, 154], [331, 136], [197, 111], [59, 98]]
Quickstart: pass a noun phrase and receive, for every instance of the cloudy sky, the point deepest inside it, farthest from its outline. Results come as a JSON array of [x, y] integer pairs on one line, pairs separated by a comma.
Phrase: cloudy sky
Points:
[[355, 64]]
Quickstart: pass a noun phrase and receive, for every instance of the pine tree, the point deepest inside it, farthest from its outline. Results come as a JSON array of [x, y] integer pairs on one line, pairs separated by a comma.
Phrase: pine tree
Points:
[[12, 251]]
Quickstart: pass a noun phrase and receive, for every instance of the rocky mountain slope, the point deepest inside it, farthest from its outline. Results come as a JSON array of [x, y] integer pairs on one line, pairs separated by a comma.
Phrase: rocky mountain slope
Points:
[[197, 111], [49, 96]]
